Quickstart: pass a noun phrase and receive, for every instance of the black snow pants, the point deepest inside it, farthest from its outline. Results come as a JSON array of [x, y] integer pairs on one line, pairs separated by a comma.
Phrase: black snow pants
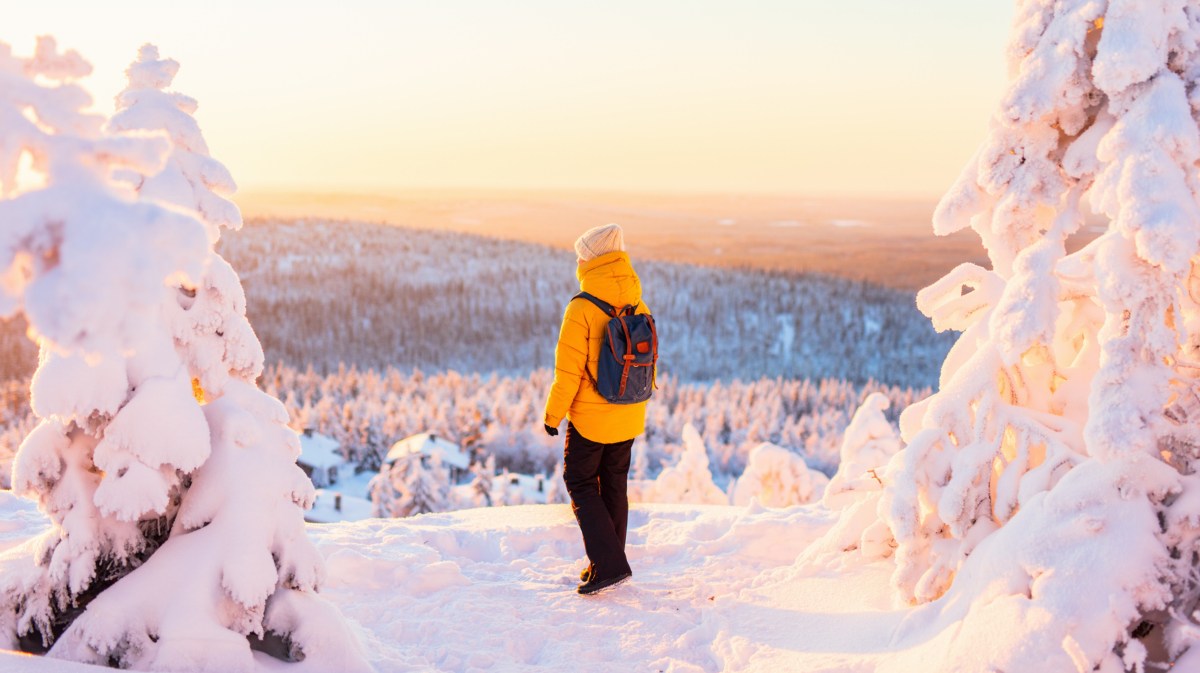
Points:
[[597, 478]]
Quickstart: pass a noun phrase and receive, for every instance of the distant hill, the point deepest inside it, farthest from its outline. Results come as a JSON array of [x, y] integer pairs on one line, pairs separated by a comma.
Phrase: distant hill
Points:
[[326, 292], [885, 241]]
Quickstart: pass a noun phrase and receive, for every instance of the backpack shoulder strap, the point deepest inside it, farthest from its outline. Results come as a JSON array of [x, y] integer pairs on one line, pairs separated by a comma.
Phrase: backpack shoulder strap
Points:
[[600, 304]]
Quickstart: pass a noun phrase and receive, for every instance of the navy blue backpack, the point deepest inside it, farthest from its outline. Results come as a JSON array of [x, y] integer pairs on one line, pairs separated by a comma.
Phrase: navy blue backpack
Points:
[[628, 354]]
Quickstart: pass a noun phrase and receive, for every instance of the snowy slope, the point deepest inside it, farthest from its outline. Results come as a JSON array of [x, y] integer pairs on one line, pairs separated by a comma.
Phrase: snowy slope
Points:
[[714, 589], [493, 589], [18, 662]]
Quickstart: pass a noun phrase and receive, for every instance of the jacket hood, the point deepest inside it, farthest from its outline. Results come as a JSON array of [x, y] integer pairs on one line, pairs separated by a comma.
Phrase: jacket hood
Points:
[[611, 277]]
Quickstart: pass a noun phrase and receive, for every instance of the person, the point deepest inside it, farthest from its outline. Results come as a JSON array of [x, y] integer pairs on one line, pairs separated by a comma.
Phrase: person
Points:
[[599, 434]]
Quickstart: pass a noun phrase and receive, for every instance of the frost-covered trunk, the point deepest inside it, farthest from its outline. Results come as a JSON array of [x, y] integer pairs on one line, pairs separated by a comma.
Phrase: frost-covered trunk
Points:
[[1065, 420], [170, 479]]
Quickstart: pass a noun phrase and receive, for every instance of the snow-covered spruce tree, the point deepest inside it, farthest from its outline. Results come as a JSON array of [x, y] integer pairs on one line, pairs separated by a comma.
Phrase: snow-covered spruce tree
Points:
[[640, 461], [481, 485], [427, 488], [89, 268], [209, 317], [556, 488], [214, 490], [192, 178], [407, 487], [382, 493], [1057, 460]]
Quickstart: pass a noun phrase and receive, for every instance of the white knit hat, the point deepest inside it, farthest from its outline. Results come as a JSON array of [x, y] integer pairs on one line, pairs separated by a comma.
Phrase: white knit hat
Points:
[[599, 241]]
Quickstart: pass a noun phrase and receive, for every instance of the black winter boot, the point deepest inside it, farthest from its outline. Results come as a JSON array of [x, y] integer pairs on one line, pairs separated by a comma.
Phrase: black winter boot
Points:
[[595, 585]]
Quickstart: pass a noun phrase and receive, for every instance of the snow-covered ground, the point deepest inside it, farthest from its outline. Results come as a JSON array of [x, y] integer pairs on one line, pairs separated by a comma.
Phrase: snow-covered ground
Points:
[[714, 589]]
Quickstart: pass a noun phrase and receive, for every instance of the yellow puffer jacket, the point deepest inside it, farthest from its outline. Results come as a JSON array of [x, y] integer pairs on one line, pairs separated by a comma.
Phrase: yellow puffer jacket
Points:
[[611, 278]]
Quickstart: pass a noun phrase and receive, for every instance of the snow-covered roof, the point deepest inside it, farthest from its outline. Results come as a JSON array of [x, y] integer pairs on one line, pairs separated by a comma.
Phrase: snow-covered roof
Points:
[[430, 445], [318, 450], [324, 509], [525, 484]]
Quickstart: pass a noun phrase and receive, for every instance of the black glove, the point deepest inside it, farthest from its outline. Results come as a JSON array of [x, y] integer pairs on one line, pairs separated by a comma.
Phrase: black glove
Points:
[[551, 430]]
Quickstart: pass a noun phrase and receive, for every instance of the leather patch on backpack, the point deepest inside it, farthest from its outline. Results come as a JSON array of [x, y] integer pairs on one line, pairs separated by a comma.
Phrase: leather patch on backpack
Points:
[[643, 347]]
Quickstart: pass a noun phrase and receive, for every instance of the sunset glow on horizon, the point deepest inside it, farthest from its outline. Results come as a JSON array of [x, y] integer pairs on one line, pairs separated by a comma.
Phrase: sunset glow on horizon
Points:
[[881, 98]]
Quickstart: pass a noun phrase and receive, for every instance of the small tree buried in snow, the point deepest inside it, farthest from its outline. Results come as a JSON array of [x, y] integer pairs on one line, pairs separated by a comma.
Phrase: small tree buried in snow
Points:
[[868, 445], [1065, 424], [177, 528], [777, 478], [690, 480], [865, 459]]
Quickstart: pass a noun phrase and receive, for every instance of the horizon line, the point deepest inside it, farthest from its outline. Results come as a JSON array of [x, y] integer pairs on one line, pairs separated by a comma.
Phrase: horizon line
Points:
[[314, 190]]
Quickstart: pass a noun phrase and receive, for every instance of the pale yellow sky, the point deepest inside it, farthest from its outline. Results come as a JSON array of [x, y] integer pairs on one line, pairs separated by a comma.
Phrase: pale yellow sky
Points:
[[797, 96]]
